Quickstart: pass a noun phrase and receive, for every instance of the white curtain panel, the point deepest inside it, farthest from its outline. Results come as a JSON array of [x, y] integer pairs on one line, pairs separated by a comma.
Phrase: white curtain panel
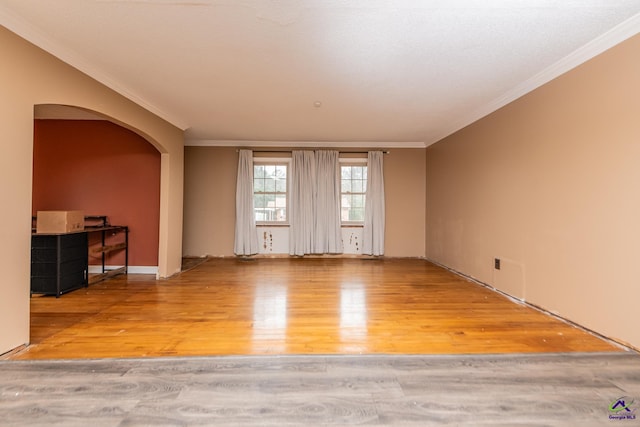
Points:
[[302, 202], [328, 234], [374, 214], [246, 241]]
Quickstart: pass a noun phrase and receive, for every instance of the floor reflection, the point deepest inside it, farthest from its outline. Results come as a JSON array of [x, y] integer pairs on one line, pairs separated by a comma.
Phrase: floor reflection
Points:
[[353, 317], [270, 318]]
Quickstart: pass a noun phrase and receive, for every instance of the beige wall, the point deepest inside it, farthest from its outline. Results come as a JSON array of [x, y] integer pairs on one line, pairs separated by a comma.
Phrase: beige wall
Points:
[[210, 181], [209, 200], [30, 77], [404, 190], [549, 184]]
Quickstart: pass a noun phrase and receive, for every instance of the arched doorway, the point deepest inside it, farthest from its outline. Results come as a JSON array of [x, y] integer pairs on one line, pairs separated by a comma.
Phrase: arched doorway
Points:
[[84, 161]]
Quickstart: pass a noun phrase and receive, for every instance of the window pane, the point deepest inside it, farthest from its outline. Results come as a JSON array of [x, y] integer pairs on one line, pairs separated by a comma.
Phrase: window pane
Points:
[[269, 185], [356, 172], [281, 202], [258, 171], [281, 171], [345, 172], [357, 201], [356, 214], [356, 186], [258, 185], [281, 186], [270, 200], [258, 201], [344, 209], [270, 192], [353, 187]]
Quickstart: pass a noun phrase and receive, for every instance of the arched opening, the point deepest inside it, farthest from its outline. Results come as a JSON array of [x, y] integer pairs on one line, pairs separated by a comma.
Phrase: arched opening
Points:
[[32, 77], [85, 161]]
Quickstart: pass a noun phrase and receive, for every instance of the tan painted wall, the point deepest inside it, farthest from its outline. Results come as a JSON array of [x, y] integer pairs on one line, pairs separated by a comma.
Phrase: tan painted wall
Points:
[[550, 184], [209, 200], [210, 182], [30, 77], [404, 190]]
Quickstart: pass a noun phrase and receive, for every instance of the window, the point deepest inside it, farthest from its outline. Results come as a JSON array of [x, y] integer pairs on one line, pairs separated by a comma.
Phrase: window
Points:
[[270, 192], [353, 192]]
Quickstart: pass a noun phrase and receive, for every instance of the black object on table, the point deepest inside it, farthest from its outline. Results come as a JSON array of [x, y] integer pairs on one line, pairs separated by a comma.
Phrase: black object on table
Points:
[[60, 261]]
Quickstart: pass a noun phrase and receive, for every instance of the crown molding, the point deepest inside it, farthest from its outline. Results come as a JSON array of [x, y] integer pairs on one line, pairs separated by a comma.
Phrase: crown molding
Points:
[[616, 35], [33, 35], [301, 144]]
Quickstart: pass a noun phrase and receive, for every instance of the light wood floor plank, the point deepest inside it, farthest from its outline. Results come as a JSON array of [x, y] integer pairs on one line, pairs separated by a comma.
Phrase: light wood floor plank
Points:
[[295, 306], [543, 390]]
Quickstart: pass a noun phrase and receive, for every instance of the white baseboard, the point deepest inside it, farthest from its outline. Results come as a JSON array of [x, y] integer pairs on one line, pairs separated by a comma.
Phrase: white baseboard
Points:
[[132, 269]]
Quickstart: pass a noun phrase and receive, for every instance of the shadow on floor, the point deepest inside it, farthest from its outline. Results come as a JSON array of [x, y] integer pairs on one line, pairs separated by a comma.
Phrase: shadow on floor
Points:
[[189, 263]]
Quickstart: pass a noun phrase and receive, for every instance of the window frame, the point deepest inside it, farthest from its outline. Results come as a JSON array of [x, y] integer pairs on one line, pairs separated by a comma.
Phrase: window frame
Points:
[[273, 161], [352, 161]]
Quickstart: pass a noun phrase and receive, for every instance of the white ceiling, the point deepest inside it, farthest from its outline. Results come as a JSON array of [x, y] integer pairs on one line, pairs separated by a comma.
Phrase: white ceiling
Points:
[[384, 72]]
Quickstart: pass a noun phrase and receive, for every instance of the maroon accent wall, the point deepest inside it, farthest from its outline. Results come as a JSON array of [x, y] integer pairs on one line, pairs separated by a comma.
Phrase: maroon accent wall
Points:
[[102, 169]]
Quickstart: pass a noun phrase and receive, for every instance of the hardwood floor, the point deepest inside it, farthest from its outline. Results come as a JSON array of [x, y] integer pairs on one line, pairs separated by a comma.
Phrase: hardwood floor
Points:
[[295, 306]]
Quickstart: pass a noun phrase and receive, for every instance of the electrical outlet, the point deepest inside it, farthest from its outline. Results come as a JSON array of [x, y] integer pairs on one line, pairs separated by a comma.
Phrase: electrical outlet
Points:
[[496, 263]]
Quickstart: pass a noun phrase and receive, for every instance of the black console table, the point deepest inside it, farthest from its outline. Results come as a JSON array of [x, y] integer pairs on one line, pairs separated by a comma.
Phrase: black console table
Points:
[[60, 261]]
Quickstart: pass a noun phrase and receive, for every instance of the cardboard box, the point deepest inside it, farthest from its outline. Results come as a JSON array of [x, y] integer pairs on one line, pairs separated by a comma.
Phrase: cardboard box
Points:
[[59, 221]]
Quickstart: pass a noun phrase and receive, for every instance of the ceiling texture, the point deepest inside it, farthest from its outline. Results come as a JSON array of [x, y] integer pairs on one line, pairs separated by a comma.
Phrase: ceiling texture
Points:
[[401, 73]]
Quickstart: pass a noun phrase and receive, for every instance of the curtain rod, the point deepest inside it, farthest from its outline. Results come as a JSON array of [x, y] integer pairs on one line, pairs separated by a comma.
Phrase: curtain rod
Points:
[[311, 149]]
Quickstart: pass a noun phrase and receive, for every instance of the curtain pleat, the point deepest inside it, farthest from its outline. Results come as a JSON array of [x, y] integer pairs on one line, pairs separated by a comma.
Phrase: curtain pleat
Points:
[[314, 203], [246, 236], [374, 212], [328, 233], [302, 203]]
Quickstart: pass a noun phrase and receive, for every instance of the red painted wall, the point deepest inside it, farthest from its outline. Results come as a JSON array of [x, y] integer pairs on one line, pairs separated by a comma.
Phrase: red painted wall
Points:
[[102, 169]]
